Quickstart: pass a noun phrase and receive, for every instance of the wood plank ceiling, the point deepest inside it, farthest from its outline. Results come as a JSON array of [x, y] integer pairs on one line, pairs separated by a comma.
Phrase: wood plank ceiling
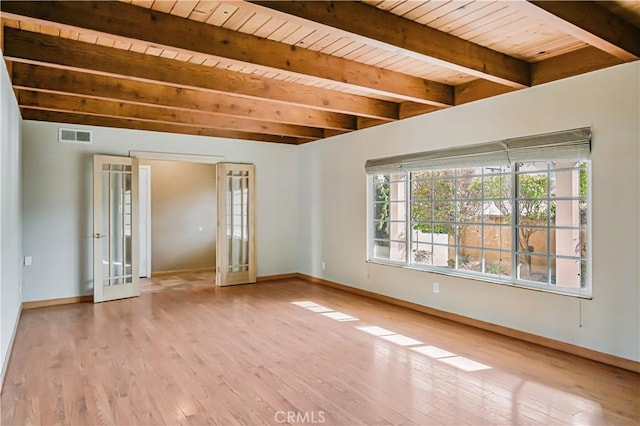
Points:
[[294, 72]]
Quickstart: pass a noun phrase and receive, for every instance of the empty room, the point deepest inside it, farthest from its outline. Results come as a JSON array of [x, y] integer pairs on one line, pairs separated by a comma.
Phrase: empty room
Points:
[[320, 212]]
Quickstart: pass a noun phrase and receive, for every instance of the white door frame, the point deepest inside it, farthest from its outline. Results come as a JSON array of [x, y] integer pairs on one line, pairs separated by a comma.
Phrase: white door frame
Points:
[[171, 156], [174, 156]]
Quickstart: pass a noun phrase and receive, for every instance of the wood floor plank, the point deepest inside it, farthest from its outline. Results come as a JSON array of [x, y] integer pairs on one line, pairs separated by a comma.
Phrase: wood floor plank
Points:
[[187, 352]]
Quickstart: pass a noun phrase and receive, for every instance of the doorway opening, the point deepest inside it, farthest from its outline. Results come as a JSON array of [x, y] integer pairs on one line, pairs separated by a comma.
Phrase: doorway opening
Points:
[[231, 221], [178, 223]]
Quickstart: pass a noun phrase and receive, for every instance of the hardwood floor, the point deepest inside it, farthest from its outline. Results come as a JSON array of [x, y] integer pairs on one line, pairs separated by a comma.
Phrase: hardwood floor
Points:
[[183, 281], [249, 355]]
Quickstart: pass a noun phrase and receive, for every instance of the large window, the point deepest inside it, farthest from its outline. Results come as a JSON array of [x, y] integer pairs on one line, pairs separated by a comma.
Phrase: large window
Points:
[[522, 222]]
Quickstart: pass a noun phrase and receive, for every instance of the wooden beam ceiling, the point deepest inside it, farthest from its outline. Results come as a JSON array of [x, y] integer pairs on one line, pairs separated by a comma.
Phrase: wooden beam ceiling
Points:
[[26, 46], [573, 63], [591, 23], [293, 72], [394, 32], [479, 89], [89, 120], [107, 108], [96, 86], [130, 23]]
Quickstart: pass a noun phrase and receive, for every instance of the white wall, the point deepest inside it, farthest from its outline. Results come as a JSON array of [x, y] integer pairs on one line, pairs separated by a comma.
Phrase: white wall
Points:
[[58, 211], [10, 218], [333, 208], [183, 215], [312, 204]]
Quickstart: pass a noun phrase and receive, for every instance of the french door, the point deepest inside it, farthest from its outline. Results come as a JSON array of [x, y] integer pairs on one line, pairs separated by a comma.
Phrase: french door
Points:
[[115, 228], [236, 248]]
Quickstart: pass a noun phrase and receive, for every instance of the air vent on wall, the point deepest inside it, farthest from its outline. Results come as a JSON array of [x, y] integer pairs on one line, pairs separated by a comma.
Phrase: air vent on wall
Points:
[[74, 136]]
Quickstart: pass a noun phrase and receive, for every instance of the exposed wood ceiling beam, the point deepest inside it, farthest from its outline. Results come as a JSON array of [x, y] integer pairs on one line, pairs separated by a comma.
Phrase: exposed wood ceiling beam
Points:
[[273, 87], [1, 34], [25, 46], [579, 62], [331, 132], [591, 23], [41, 78], [91, 120], [479, 89], [365, 123], [116, 109], [397, 33], [132, 23], [410, 109]]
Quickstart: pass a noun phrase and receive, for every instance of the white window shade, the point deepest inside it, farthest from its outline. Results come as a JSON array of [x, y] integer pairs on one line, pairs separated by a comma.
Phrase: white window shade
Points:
[[565, 145]]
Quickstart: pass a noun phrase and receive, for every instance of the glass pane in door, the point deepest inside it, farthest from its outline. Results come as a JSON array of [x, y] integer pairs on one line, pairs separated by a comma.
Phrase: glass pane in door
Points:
[[236, 257], [238, 221], [116, 220], [115, 236], [106, 251], [245, 222], [126, 223]]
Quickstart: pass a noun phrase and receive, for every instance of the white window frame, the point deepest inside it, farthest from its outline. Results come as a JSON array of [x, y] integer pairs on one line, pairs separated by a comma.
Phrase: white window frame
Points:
[[511, 280]]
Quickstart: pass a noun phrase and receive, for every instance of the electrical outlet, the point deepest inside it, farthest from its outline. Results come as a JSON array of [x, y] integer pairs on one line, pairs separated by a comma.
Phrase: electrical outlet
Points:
[[436, 287], [28, 260], [324, 266]]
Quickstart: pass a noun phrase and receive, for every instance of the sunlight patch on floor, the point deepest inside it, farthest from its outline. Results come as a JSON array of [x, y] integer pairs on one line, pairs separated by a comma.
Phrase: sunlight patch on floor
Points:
[[305, 304], [450, 358], [433, 351], [375, 330], [323, 310], [401, 340], [339, 316], [446, 357], [463, 363], [319, 309]]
